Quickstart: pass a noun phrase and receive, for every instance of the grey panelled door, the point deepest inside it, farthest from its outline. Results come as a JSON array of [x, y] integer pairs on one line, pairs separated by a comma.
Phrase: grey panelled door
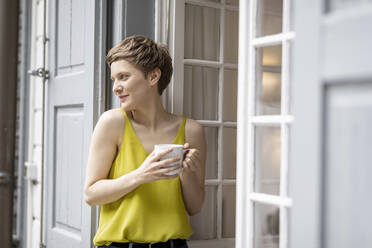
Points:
[[69, 121], [332, 138]]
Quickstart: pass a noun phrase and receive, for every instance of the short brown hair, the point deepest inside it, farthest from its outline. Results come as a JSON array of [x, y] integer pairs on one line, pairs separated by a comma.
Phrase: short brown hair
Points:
[[146, 55]]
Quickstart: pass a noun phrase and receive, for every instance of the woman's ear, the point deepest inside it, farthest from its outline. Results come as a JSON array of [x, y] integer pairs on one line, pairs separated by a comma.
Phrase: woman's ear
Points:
[[154, 76]]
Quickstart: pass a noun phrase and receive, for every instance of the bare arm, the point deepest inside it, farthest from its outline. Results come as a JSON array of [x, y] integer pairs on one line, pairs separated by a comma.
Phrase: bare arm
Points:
[[102, 152], [192, 177], [100, 190]]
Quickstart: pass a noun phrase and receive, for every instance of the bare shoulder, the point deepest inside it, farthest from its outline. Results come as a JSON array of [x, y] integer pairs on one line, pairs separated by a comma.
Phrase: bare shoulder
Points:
[[112, 117], [194, 132], [111, 123]]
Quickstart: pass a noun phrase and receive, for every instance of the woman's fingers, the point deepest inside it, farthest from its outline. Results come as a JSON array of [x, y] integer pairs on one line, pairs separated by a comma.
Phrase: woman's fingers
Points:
[[169, 169], [193, 159], [165, 162], [159, 155], [194, 155], [190, 164]]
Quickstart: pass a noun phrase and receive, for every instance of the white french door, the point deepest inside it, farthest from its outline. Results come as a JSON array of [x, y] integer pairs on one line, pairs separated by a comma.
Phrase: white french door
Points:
[[264, 123], [204, 46]]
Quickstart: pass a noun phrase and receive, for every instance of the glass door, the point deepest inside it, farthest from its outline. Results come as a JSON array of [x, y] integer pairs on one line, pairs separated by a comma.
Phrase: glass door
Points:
[[204, 46], [264, 123]]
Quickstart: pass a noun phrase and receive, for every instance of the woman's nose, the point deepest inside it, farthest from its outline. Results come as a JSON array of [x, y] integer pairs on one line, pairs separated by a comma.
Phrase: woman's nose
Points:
[[117, 88]]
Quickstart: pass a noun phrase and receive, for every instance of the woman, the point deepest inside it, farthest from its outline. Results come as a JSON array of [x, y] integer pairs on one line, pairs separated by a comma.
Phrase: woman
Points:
[[140, 205]]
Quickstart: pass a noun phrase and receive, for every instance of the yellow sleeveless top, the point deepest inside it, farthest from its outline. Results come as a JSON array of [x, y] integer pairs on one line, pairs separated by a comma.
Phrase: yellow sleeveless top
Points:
[[153, 212]]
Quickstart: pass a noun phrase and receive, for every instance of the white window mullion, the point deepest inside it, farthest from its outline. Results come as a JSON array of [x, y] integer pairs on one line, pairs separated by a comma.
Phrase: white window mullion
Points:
[[284, 79], [242, 201], [270, 199], [271, 120], [230, 66], [250, 131], [216, 182], [217, 123], [283, 226], [272, 40], [283, 220], [220, 118], [199, 62], [177, 50], [219, 187], [209, 63], [286, 15], [283, 217], [229, 182], [285, 58], [203, 3], [284, 160]]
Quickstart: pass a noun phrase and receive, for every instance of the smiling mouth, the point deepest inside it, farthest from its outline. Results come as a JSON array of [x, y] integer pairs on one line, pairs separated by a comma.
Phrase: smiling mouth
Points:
[[123, 97]]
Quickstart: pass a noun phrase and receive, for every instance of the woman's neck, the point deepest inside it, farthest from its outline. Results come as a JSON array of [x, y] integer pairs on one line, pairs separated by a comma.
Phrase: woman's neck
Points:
[[151, 116]]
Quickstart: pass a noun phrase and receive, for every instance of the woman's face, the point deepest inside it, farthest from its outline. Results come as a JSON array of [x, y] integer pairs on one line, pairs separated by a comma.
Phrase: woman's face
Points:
[[129, 84]]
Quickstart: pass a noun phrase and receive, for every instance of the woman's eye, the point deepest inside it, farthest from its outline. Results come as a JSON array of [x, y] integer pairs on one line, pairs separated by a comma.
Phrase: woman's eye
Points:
[[123, 77]]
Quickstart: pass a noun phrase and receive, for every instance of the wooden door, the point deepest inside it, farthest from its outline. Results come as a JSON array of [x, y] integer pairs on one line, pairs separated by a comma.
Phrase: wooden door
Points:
[[69, 113]]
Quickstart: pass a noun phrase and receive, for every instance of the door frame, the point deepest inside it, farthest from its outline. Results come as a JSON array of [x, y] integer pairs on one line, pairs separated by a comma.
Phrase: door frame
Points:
[[243, 173], [305, 183]]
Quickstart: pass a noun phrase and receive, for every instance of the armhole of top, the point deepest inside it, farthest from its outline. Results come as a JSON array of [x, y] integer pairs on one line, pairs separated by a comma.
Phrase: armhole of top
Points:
[[184, 128], [123, 133]]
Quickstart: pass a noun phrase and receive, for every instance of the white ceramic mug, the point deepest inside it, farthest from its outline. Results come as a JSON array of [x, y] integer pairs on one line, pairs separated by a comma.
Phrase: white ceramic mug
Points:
[[178, 151]]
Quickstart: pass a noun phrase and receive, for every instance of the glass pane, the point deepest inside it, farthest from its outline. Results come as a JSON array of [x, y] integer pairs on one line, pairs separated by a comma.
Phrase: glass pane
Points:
[[231, 36], [202, 32], [200, 100], [267, 160], [268, 80], [211, 136], [230, 95], [228, 211], [204, 223], [269, 17], [229, 153], [266, 226], [232, 2]]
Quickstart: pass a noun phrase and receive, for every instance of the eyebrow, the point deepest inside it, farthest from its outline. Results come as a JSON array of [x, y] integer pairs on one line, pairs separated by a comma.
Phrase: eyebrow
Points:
[[120, 72]]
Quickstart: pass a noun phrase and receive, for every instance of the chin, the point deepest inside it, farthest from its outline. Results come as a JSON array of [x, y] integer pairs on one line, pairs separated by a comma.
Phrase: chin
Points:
[[126, 107]]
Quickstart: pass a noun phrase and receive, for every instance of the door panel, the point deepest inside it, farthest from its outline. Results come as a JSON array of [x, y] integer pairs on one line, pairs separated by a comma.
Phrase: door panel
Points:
[[347, 184], [69, 122], [348, 55]]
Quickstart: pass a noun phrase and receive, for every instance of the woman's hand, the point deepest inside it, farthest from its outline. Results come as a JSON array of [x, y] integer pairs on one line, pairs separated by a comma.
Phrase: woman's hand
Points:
[[191, 162], [151, 169]]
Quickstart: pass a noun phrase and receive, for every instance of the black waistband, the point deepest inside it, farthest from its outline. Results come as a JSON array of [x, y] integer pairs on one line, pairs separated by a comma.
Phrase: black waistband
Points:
[[176, 242]]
